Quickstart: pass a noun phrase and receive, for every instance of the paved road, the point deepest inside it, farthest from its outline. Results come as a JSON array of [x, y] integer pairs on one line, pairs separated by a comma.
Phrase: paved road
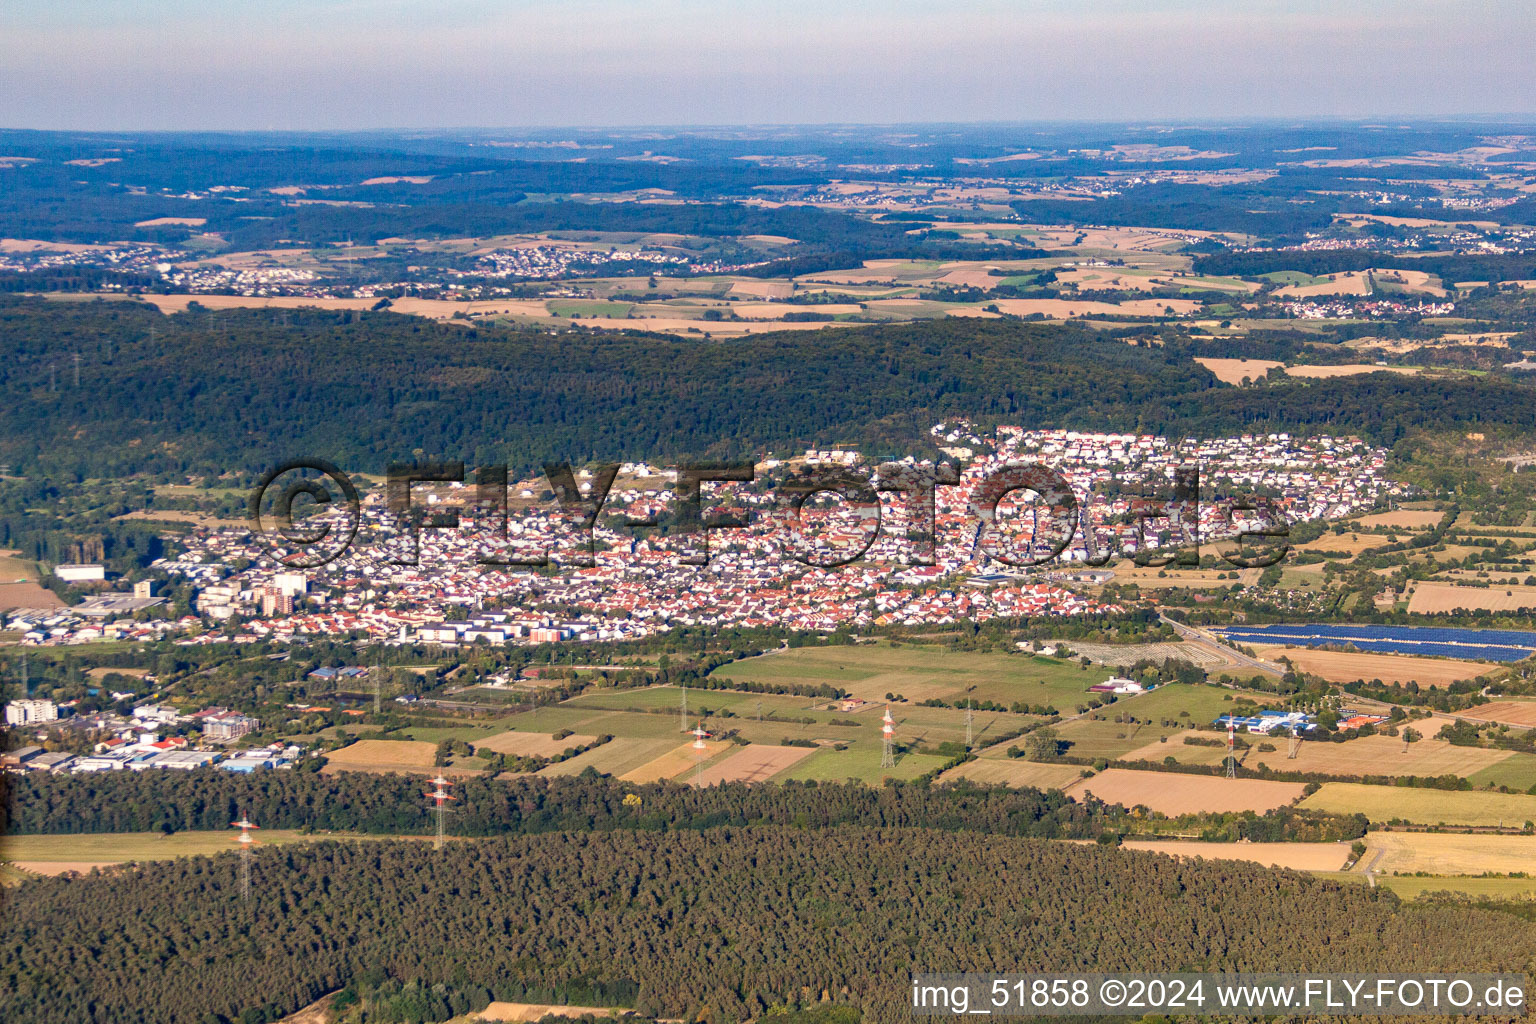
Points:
[[1198, 636]]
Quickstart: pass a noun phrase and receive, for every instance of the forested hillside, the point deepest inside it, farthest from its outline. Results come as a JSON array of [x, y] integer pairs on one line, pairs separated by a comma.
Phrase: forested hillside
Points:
[[236, 391], [711, 926]]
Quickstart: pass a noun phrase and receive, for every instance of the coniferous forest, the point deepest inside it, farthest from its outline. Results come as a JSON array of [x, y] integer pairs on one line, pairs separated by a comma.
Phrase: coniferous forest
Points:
[[716, 925]]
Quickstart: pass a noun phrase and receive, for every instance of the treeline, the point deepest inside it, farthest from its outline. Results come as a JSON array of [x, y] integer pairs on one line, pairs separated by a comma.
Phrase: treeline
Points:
[[715, 926], [1259, 209], [43, 803], [1449, 267]]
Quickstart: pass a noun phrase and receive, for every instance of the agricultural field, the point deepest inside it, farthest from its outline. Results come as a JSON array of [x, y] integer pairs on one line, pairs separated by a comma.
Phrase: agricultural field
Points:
[[1020, 774], [1512, 712], [1238, 371], [861, 763], [1517, 772], [56, 854], [1093, 738], [1411, 887], [678, 760], [1448, 853], [531, 744], [383, 755], [1382, 804], [16, 570], [756, 762], [1430, 597], [1402, 519], [1367, 755], [1173, 794], [616, 757], [1349, 666], [870, 671]]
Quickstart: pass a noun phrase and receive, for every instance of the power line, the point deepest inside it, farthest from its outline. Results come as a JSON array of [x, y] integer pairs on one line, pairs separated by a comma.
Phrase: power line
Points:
[[246, 841], [440, 796]]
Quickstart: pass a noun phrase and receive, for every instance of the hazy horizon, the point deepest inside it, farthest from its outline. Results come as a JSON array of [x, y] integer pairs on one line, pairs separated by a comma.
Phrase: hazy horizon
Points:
[[404, 64]]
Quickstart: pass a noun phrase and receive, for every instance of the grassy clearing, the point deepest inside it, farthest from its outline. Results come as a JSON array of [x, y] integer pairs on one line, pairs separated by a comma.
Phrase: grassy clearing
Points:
[[125, 847]]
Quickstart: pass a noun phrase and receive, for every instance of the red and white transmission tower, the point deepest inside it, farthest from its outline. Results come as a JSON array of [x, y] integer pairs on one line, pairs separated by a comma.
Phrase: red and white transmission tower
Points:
[[440, 796], [887, 732], [246, 841], [1231, 749]]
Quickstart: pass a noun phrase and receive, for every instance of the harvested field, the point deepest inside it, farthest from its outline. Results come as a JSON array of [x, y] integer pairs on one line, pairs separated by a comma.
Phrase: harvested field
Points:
[[1060, 309], [617, 756], [1424, 806], [1297, 856], [1351, 283], [403, 755], [1449, 854], [28, 595], [1429, 598], [1173, 794], [756, 762], [674, 762], [1346, 370], [1382, 755], [1404, 518], [531, 744], [1017, 773], [1342, 667], [1348, 543], [1513, 712], [762, 289], [1237, 371]]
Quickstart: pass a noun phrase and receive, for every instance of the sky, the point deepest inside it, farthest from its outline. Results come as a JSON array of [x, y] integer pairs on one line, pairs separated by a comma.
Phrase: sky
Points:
[[372, 64]]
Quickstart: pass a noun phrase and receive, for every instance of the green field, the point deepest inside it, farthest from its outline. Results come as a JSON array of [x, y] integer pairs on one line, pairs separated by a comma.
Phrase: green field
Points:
[[858, 762], [870, 671], [1517, 772], [1423, 806]]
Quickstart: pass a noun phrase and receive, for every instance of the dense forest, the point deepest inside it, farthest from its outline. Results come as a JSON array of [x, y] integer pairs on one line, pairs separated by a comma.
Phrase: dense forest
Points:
[[1451, 267], [392, 805], [710, 926], [236, 391], [233, 392]]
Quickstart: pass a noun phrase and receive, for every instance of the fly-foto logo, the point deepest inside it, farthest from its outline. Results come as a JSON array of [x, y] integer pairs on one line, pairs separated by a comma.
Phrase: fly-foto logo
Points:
[[1023, 514]]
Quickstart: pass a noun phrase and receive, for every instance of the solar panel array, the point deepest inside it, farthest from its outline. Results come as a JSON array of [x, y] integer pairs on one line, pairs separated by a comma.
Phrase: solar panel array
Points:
[[1442, 641]]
